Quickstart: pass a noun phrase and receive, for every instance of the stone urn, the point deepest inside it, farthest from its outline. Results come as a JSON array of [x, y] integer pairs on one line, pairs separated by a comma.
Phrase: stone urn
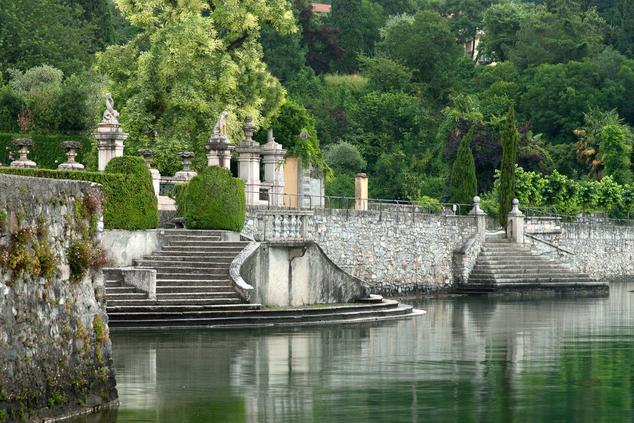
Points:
[[23, 145], [71, 152], [186, 174]]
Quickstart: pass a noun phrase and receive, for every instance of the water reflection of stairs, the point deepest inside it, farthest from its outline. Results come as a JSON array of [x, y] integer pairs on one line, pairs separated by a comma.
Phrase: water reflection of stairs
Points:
[[193, 288], [506, 266]]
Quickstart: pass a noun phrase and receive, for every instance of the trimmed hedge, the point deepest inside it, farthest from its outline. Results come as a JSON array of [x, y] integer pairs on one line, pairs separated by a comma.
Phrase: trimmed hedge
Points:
[[129, 201], [213, 200], [46, 150]]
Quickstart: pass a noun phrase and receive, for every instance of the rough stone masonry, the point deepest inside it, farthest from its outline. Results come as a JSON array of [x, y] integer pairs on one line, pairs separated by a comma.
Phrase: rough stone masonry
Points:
[[55, 351]]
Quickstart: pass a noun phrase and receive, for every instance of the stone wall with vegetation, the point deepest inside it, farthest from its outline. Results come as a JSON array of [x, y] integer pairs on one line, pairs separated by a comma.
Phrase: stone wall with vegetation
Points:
[[601, 250], [55, 351]]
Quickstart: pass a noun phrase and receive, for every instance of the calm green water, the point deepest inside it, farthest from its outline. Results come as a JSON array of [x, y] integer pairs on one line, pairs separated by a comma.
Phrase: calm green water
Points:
[[467, 360]]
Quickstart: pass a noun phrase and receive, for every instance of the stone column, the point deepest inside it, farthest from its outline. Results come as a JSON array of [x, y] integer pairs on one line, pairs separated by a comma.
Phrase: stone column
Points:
[[515, 224], [109, 135], [148, 155], [249, 163], [186, 174], [273, 161], [23, 144], [70, 163], [480, 217], [361, 192]]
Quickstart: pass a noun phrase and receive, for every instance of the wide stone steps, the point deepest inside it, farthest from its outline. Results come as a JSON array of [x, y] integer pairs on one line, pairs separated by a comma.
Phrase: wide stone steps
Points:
[[504, 266], [124, 305], [185, 282], [196, 257], [292, 317], [158, 264], [222, 245], [224, 274]]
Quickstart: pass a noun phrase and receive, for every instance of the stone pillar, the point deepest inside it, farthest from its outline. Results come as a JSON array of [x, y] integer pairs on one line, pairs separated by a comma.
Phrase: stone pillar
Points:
[[23, 145], [273, 161], [148, 155], [361, 192], [249, 163], [70, 163], [186, 174], [109, 135], [480, 217], [515, 224]]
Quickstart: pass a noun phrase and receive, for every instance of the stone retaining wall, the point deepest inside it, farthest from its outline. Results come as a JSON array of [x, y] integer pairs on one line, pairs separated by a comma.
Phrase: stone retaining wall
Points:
[[395, 253], [55, 352], [601, 250]]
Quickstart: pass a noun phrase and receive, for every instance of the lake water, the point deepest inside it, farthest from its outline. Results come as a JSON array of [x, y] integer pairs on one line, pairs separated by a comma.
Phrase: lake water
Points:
[[467, 359]]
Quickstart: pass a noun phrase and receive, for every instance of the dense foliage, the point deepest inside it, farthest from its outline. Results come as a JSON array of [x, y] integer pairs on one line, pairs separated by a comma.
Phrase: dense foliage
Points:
[[213, 199], [126, 197], [509, 137], [47, 150]]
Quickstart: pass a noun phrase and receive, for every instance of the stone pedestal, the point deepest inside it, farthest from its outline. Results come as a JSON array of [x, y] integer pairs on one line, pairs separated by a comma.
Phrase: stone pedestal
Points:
[[480, 217], [23, 145], [219, 151], [148, 155], [186, 174], [361, 192], [273, 161], [110, 138], [515, 224], [71, 164]]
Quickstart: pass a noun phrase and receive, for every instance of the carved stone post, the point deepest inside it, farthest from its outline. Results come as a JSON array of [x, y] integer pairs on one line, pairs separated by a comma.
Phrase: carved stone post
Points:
[[70, 163], [361, 192], [515, 225], [273, 160], [148, 155], [109, 135], [480, 217], [186, 174], [249, 163], [23, 144]]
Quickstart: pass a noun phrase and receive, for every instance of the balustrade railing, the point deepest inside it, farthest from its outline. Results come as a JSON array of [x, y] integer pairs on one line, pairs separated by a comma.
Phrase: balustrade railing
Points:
[[282, 225]]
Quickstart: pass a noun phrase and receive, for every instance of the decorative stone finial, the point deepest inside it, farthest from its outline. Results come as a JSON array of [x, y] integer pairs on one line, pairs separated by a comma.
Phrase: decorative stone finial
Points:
[[110, 116], [70, 163], [515, 211], [186, 157], [23, 144], [147, 155], [476, 206], [269, 136], [249, 128], [221, 125]]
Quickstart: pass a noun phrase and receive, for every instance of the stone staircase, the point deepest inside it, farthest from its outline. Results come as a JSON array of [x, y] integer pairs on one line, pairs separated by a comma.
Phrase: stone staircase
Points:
[[193, 288], [503, 266]]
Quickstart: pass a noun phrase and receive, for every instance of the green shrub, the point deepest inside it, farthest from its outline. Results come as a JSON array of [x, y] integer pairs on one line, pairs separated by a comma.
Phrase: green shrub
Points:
[[128, 202], [463, 173], [213, 200], [47, 150], [143, 212]]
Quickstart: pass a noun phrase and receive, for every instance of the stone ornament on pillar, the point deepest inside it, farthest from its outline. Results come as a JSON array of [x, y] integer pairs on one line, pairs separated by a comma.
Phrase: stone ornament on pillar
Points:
[[71, 153], [515, 224], [109, 135], [273, 161], [186, 174], [249, 163], [23, 145], [480, 217], [148, 155], [218, 145]]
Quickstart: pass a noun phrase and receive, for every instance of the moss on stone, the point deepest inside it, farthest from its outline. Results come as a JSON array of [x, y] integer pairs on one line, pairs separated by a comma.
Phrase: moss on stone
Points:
[[101, 333]]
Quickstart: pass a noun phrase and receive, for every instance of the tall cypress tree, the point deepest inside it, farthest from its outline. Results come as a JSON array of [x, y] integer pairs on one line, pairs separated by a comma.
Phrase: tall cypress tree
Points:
[[509, 137], [464, 185]]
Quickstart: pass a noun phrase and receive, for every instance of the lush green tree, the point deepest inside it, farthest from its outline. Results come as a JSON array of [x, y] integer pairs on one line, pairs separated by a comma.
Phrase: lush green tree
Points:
[[191, 61], [463, 173], [501, 25], [616, 149], [466, 17], [557, 33], [358, 22], [425, 44], [344, 157], [38, 32], [97, 15], [385, 74], [509, 137], [284, 54]]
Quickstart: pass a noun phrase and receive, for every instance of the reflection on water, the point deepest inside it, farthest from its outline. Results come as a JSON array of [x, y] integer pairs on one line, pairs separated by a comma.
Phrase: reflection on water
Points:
[[468, 359]]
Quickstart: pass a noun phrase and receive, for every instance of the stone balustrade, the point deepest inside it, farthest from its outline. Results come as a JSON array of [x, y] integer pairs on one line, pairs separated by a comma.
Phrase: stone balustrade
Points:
[[281, 225]]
